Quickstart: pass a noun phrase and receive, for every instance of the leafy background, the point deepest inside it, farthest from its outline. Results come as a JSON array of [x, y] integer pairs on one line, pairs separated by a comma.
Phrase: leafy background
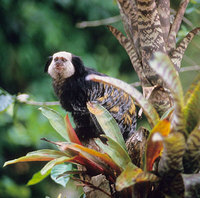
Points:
[[32, 30]]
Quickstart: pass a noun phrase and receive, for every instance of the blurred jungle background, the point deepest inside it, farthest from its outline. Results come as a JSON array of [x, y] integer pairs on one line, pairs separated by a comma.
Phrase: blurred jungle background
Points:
[[30, 31]]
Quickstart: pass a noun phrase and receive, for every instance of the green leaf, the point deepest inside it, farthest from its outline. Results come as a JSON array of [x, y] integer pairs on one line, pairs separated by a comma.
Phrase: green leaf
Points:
[[191, 89], [118, 154], [126, 42], [107, 122], [38, 177], [171, 162], [191, 160], [91, 159], [47, 153], [5, 100], [168, 113], [40, 155], [56, 120], [147, 107], [53, 163], [59, 170], [132, 175], [163, 66], [192, 108], [177, 54]]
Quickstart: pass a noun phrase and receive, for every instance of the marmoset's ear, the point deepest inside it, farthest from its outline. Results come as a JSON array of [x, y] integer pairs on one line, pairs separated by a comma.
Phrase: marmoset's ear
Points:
[[78, 64]]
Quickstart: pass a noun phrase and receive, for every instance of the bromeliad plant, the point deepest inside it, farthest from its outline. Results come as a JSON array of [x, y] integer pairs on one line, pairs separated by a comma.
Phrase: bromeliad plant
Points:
[[172, 152], [173, 147]]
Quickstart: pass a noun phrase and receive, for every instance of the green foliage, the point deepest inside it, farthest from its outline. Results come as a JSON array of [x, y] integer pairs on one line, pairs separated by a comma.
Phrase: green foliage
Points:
[[172, 140], [163, 66], [56, 121], [59, 170], [132, 175], [192, 107], [115, 151], [38, 177], [107, 123], [5, 100], [8, 188]]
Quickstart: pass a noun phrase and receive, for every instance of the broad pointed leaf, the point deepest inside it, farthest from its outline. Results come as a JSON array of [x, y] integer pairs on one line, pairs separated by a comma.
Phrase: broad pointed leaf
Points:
[[149, 28], [192, 107], [107, 122], [163, 8], [118, 154], [92, 167], [128, 11], [38, 177], [147, 107], [71, 133], [164, 67], [40, 155], [101, 159], [89, 158], [154, 147], [171, 162], [59, 170], [191, 160], [53, 163], [132, 175], [191, 89], [177, 54], [150, 38], [168, 113], [130, 49], [56, 120], [47, 153]]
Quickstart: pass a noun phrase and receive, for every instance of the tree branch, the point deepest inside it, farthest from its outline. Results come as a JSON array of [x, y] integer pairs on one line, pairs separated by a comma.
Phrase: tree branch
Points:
[[24, 98], [100, 22], [190, 68], [53, 103]]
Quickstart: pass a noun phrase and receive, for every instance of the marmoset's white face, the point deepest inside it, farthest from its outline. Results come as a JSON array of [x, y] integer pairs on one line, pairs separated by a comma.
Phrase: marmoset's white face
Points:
[[61, 65]]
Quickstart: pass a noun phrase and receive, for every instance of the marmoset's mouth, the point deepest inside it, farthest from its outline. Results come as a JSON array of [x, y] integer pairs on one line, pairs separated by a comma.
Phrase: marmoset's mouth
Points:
[[59, 67]]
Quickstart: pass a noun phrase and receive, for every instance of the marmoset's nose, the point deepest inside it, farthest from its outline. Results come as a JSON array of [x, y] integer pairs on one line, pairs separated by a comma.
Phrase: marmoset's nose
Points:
[[59, 61]]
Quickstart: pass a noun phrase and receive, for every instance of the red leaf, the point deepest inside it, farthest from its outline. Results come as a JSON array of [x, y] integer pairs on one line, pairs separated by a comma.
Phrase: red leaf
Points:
[[154, 148], [71, 133]]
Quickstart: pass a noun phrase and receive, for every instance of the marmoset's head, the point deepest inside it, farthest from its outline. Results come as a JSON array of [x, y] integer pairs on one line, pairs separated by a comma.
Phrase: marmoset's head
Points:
[[63, 65]]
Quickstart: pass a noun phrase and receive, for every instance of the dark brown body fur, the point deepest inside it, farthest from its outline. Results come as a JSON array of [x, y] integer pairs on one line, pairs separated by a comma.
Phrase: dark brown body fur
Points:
[[74, 92]]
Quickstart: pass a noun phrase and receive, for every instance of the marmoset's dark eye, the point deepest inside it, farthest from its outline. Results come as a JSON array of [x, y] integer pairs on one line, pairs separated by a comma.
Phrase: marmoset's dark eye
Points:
[[63, 59]]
